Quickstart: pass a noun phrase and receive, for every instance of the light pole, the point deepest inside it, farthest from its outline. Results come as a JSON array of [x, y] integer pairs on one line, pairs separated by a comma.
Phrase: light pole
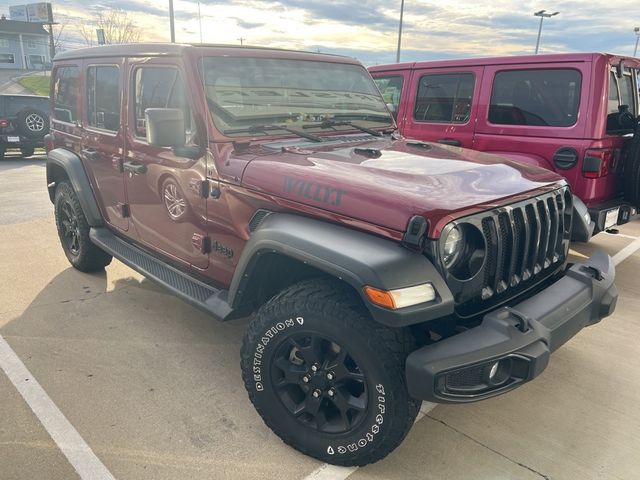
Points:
[[171, 23], [542, 16], [637, 32], [200, 21], [400, 31]]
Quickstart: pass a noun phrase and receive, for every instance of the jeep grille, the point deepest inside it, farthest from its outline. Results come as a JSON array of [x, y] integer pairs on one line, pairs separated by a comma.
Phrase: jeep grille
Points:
[[525, 242]]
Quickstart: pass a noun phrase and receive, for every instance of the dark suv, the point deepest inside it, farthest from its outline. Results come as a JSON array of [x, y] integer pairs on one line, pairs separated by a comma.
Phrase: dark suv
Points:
[[23, 123], [380, 272]]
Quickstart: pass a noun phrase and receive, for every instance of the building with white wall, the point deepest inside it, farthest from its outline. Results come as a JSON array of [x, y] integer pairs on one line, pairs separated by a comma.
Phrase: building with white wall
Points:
[[23, 45]]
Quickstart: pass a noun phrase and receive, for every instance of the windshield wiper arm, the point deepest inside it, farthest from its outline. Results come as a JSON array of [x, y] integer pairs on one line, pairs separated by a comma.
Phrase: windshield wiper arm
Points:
[[269, 128], [338, 123]]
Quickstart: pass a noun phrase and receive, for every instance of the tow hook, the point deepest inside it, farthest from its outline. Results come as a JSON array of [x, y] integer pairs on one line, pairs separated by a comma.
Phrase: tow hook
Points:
[[593, 271], [524, 322]]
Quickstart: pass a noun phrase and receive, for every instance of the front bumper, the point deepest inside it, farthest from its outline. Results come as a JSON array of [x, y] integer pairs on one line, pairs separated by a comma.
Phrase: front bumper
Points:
[[512, 345]]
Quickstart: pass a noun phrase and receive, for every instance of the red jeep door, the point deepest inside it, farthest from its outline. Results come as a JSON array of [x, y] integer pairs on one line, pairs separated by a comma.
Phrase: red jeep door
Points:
[[443, 105], [164, 184], [103, 137]]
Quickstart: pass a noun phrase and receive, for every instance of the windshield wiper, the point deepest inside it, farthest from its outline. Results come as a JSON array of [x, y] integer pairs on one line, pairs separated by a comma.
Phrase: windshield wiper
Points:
[[269, 128], [338, 123]]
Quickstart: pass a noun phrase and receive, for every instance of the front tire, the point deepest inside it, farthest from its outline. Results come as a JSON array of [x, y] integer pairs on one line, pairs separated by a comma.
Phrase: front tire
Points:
[[73, 231], [325, 377], [26, 152]]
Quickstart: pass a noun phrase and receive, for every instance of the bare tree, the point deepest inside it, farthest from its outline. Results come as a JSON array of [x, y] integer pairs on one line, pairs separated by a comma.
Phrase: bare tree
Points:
[[118, 27]]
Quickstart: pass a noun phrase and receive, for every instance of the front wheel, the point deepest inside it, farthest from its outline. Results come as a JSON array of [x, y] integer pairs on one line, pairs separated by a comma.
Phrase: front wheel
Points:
[[326, 378], [73, 231]]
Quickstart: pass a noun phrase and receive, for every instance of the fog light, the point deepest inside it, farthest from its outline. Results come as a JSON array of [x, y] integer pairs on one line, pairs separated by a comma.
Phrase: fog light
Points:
[[494, 370], [499, 372]]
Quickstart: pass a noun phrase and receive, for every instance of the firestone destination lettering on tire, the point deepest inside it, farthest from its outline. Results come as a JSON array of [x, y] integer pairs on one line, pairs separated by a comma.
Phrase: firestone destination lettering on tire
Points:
[[372, 431], [263, 342]]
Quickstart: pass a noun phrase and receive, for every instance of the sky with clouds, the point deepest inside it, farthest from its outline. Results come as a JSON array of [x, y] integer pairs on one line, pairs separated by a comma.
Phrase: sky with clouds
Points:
[[368, 30]]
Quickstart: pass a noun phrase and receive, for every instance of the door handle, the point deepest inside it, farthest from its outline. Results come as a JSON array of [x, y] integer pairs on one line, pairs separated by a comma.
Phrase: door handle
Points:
[[450, 141], [91, 154], [135, 167]]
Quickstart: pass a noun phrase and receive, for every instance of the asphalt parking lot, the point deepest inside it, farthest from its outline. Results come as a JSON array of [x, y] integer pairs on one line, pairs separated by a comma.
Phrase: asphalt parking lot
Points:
[[153, 385]]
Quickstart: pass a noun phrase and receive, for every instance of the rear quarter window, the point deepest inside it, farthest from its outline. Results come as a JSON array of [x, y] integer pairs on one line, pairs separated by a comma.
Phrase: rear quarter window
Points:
[[14, 105], [538, 97]]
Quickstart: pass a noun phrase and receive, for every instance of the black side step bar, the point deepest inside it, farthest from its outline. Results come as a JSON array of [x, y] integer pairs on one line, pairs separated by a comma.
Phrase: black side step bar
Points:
[[195, 292]]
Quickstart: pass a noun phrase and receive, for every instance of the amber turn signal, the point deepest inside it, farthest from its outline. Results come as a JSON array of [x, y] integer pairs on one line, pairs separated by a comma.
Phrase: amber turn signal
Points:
[[402, 297]]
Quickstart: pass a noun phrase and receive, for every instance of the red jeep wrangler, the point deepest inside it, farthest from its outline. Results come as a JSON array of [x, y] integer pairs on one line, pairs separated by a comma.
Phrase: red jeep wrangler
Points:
[[380, 271], [570, 113]]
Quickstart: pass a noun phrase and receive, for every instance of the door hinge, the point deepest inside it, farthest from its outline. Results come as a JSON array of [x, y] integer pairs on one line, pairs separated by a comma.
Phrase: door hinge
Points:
[[125, 211], [201, 243]]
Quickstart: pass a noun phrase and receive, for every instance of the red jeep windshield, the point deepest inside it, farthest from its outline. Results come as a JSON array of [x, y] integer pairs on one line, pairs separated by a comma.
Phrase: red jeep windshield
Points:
[[251, 92]]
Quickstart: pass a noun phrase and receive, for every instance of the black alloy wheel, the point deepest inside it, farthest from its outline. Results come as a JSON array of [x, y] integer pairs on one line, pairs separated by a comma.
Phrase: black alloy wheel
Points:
[[71, 229], [319, 383]]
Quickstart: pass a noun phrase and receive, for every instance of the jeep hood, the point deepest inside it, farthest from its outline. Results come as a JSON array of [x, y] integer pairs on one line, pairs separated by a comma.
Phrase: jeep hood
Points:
[[385, 182]]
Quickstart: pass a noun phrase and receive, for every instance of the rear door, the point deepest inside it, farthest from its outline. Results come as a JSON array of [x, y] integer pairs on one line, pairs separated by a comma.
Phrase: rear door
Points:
[[102, 146], [443, 105], [165, 186]]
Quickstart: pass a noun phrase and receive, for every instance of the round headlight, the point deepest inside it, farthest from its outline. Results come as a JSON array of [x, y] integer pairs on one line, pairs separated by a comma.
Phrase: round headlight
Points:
[[452, 246]]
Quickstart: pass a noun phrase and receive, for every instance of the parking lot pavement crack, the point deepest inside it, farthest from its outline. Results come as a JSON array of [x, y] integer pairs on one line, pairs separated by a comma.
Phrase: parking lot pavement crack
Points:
[[531, 469]]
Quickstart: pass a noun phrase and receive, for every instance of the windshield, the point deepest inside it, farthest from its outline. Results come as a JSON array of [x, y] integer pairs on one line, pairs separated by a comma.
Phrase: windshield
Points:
[[252, 92]]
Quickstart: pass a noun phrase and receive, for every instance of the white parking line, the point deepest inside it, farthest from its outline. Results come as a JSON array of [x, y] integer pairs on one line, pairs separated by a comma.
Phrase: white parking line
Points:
[[334, 472], [68, 440], [626, 251]]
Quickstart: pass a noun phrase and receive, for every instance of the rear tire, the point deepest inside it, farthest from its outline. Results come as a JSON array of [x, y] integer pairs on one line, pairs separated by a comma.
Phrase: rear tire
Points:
[[318, 329], [73, 231], [26, 152]]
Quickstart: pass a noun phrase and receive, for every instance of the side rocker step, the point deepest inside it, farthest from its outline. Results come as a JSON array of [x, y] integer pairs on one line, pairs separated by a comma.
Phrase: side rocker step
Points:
[[197, 293]]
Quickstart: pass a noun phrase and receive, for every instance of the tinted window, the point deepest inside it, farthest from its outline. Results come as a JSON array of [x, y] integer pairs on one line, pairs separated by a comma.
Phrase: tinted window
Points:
[[536, 97], [444, 98], [103, 97], [390, 88], [614, 99], [158, 87], [16, 104], [626, 92], [65, 94]]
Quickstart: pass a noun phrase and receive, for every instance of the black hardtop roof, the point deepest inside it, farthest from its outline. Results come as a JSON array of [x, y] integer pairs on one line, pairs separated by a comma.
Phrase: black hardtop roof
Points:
[[179, 49]]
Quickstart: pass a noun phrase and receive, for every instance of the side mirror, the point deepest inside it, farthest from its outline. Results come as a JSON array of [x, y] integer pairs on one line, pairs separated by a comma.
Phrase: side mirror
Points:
[[165, 127]]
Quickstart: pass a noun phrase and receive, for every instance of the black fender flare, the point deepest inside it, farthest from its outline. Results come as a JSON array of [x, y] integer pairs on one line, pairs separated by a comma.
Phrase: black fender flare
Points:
[[61, 159], [355, 257]]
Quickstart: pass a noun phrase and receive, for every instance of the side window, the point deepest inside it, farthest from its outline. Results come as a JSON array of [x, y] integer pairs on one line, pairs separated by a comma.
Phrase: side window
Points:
[[103, 97], [65, 94], [536, 97], [390, 88], [159, 87], [626, 92], [444, 98], [614, 99]]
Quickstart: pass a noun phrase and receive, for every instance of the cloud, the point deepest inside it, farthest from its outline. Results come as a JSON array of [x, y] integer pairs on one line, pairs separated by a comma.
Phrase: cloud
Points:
[[368, 30]]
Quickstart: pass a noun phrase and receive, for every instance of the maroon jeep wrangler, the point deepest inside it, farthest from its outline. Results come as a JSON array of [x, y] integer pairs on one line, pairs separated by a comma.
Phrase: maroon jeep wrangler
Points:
[[380, 272]]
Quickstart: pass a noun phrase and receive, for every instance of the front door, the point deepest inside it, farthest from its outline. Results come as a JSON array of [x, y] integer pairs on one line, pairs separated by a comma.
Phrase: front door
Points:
[[103, 138], [443, 105], [164, 184]]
